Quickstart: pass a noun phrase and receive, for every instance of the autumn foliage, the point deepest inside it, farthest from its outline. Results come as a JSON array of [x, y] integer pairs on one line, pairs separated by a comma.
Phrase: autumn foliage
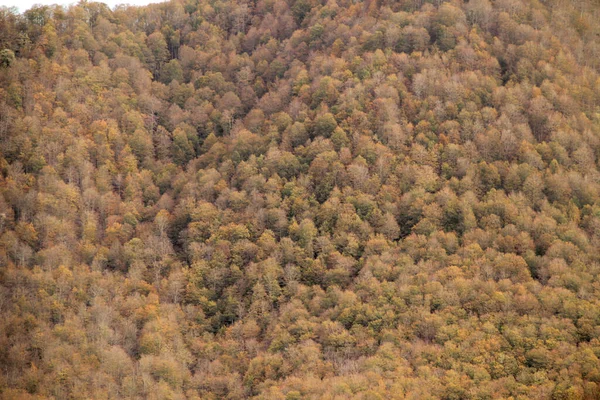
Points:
[[300, 199]]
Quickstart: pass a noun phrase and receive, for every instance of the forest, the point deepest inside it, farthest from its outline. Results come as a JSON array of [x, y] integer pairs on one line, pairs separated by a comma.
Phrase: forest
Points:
[[300, 199]]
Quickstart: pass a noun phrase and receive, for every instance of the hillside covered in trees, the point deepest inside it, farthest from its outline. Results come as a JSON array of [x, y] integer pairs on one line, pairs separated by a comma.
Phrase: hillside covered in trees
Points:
[[301, 199]]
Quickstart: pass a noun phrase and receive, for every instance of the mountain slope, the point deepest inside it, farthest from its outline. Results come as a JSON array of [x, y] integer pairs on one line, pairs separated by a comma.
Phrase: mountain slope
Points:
[[302, 199]]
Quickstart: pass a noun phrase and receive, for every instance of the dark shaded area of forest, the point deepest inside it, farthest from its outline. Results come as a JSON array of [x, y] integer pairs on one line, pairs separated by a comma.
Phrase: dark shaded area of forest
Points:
[[300, 199]]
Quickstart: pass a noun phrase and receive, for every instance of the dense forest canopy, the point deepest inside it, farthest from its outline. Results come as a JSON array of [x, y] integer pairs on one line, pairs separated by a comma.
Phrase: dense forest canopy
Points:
[[300, 199]]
